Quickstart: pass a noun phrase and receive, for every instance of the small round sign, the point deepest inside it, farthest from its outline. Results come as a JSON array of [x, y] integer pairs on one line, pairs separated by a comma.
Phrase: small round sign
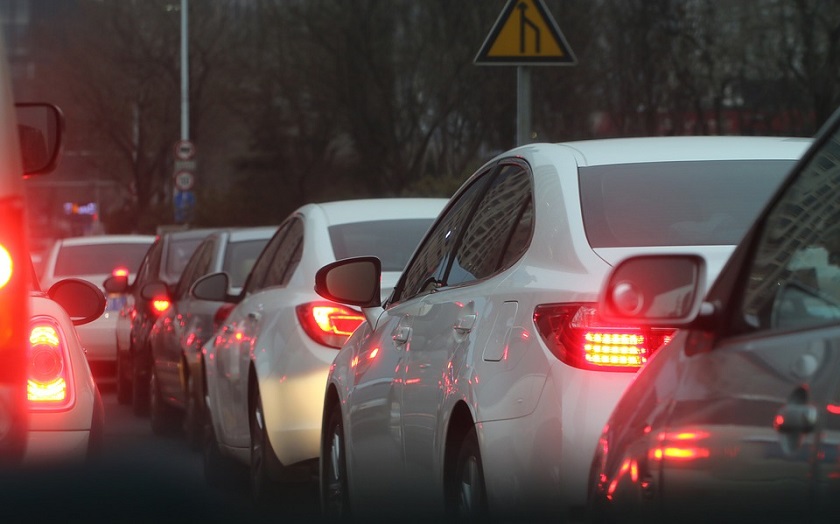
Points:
[[184, 180], [184, 150]]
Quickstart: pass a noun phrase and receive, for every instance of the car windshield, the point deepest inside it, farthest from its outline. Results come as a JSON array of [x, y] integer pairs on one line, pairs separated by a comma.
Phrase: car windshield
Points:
[[240, 257], [393, 241], [696, 203], [96, 259]]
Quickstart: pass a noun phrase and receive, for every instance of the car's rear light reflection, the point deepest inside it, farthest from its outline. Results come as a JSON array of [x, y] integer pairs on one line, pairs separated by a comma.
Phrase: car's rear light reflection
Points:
[[578, 337]]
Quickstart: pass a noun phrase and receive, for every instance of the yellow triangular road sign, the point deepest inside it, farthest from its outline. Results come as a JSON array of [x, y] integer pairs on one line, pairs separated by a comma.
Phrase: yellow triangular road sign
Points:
[[525, 34]]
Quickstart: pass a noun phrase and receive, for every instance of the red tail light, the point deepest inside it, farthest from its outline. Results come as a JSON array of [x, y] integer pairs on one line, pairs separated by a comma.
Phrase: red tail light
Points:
[[221, 315], [120, 272], [159, 305], [6, 266], [328, 323], [49, 382], [576, 336]]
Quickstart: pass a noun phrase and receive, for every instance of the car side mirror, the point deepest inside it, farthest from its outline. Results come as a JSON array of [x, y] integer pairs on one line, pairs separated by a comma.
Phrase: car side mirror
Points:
[[355, 281], [657, 290], [82, 300], [154, 290], [40, 132], [116, 284], [212, 287]]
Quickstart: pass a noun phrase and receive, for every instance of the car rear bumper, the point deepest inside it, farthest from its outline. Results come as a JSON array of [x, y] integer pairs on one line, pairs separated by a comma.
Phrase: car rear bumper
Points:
[[45, 447]]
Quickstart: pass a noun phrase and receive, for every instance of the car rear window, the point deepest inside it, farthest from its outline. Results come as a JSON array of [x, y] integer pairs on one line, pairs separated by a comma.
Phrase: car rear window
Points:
[[693, 203], [239, 259], [96, 259], [393, 241]]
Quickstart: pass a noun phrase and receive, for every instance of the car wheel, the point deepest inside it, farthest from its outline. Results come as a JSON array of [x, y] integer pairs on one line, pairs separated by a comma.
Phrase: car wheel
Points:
[[162, 416], [263, 488], [220, 471], [193, 414], [333, 478], [124, 393], [467, 497], [140, 389]]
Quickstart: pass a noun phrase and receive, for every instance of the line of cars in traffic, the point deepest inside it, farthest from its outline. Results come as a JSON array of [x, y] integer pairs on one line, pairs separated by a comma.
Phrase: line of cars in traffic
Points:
[[463, 365], [458, 357]]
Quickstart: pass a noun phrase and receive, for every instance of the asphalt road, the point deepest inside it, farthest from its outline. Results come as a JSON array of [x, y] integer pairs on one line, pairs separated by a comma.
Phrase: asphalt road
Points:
[[140, 477]]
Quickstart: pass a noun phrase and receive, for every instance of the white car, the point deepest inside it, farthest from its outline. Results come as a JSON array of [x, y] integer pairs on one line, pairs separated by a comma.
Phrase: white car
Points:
[[66, 414], [483, 382], [95, 258], [266, 367]]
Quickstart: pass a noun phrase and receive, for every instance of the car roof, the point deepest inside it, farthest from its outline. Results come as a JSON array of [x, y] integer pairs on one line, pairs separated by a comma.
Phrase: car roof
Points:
[[678, 148], [251, 233], [106, 239], [190, 233], [361, 210]]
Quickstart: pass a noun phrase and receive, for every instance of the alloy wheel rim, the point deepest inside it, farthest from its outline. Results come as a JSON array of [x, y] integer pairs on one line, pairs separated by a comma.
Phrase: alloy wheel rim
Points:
[[257, 451], [334, 488], [468, 492]]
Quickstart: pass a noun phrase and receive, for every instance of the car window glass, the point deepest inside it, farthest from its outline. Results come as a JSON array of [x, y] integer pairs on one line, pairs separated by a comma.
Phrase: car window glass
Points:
[[263, 263], [488, 234], [94, 259], [794, 280], [429, 264], [149, 268], [198, 266], [240, 257], [286, 257]]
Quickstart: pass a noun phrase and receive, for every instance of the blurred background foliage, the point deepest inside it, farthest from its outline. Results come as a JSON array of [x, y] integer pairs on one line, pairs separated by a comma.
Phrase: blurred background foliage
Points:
[[295, 101]]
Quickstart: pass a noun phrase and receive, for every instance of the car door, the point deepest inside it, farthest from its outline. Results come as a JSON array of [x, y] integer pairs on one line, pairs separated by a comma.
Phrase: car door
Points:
[[173, 323], [754, 422], [375, 428], [451, 320], [233, 354]]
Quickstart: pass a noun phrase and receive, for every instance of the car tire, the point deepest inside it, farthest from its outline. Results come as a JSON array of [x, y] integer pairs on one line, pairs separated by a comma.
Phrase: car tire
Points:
[[139, 388], [264, 489], [193, 414], [124, 392], [466, 498], [335, 502], [163, 417]]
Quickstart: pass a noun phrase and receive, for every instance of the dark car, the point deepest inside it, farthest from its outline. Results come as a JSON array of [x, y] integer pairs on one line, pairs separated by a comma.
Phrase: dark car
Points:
[[165, 261], [177, 385], [738, 418]]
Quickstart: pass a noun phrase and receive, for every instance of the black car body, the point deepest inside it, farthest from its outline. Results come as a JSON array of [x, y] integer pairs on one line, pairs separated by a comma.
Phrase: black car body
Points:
[[738, 418]]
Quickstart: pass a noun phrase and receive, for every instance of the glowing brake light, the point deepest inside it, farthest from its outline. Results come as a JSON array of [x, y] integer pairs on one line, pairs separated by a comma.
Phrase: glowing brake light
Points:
[[578, 337], [221, 315], [160, 305], [120, 272], [48, 381], [328, 323], [6, 266]]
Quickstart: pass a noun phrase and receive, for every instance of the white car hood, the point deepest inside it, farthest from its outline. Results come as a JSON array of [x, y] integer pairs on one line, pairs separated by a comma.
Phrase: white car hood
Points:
[[715, 256]]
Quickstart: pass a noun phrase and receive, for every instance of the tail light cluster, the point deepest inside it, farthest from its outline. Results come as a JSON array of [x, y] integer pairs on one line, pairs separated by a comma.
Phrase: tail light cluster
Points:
[[221, 315], [49, 379], [328, 323], [578, 337]]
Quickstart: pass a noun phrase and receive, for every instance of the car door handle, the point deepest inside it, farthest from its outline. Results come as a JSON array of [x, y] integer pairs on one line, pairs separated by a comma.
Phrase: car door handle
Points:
[[798, 415], [254, 316], [464, 324], [401, 335], [796, 418]]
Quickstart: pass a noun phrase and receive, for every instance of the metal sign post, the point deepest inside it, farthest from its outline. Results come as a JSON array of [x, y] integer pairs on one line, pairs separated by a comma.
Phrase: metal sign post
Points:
[[525, 34]]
